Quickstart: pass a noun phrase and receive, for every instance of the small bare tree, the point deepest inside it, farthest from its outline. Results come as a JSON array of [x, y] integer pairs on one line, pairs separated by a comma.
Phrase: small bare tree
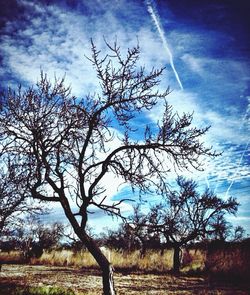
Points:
[[186, 215], [223, 230], [32, 236], [63, 144], [141, 231]]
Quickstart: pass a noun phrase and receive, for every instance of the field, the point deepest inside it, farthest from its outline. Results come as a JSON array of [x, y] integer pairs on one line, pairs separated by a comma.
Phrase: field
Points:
[[66, 272], [83, 282]]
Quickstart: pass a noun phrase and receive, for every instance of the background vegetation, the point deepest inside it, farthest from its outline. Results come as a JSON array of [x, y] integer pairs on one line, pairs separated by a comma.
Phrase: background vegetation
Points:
[[216, 259]]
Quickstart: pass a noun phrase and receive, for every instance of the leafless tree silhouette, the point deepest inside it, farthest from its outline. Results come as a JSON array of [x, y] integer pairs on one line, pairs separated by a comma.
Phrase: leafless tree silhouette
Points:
[[186, 215], [14, 197], [63, 144]]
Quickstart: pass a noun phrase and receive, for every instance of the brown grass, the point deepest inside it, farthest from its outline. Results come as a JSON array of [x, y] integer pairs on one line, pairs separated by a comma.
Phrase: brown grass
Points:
[[65, 258], [229, 259], [152, 262], [11, 257], [194, 260]]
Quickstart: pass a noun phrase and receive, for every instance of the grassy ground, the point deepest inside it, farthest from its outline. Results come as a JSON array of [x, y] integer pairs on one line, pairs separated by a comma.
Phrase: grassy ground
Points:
[[83, 282], [77, 272], [152, 262]]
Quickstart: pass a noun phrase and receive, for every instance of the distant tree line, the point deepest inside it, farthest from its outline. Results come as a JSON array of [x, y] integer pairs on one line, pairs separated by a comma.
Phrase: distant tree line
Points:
[[31, 237]]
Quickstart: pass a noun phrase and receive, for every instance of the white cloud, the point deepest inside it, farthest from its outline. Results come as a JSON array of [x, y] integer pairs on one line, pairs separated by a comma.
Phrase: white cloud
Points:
[[217, 69], [223, 127], [195, 64], [56, 41], [226, 168]]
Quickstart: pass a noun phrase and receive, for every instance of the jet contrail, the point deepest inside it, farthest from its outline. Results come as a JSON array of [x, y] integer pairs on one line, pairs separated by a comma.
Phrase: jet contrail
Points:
[[246, 148], [157, 23], [238, 168]]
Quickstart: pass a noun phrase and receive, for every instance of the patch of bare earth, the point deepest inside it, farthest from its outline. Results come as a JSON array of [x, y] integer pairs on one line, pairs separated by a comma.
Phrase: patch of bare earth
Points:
[[89, 282]]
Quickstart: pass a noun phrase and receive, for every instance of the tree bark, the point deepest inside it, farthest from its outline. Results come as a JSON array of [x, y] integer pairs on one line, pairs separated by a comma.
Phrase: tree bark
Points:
[[143, 250], [176, 259], [105, 266], [108, 281]]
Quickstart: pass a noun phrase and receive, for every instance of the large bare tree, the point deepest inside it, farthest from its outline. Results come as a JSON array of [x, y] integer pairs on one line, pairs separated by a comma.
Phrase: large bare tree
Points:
[[64, 144]]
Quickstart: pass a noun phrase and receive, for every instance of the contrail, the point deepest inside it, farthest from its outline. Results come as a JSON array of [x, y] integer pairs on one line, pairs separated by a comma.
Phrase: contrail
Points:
[[238, 168], [243, 153], [157, 23]]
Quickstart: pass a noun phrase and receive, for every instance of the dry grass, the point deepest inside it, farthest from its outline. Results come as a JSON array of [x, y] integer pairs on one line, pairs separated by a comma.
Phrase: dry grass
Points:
[[11, 257], [231, 259], [194, 260], [66, 258], [152, 262]]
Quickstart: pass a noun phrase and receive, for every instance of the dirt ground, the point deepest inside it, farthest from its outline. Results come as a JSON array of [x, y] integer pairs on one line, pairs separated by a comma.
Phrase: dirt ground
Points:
[[89, 282]]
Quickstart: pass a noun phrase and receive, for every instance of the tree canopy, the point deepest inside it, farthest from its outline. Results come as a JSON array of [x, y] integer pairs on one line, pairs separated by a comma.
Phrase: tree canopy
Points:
[[186, 215], [14, 197]]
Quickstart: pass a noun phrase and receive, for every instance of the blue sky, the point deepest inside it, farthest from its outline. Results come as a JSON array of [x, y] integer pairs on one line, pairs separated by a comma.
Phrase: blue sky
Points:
[[204, 45]]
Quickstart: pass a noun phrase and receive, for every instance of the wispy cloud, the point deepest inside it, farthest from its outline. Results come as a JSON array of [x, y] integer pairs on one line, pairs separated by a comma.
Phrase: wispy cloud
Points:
[[236, 175], [232, 167], [56, 40]]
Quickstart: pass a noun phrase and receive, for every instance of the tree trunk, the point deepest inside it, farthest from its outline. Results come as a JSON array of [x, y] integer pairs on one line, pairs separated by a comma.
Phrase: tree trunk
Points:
[[107, 281], [143, 250], [106, 267], [176, 259]]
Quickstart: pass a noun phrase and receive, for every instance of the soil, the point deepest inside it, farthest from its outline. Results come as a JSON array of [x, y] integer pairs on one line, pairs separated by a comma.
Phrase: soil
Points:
[[90, 282]]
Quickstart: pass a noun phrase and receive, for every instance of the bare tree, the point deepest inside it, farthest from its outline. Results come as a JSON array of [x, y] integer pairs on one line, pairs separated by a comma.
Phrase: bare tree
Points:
[[33, 236], [141, 231], [64, 144], [134, 233], [14, 197], [49, 236], [238, 233], [223, 230], [118, 239], [186, 215]]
